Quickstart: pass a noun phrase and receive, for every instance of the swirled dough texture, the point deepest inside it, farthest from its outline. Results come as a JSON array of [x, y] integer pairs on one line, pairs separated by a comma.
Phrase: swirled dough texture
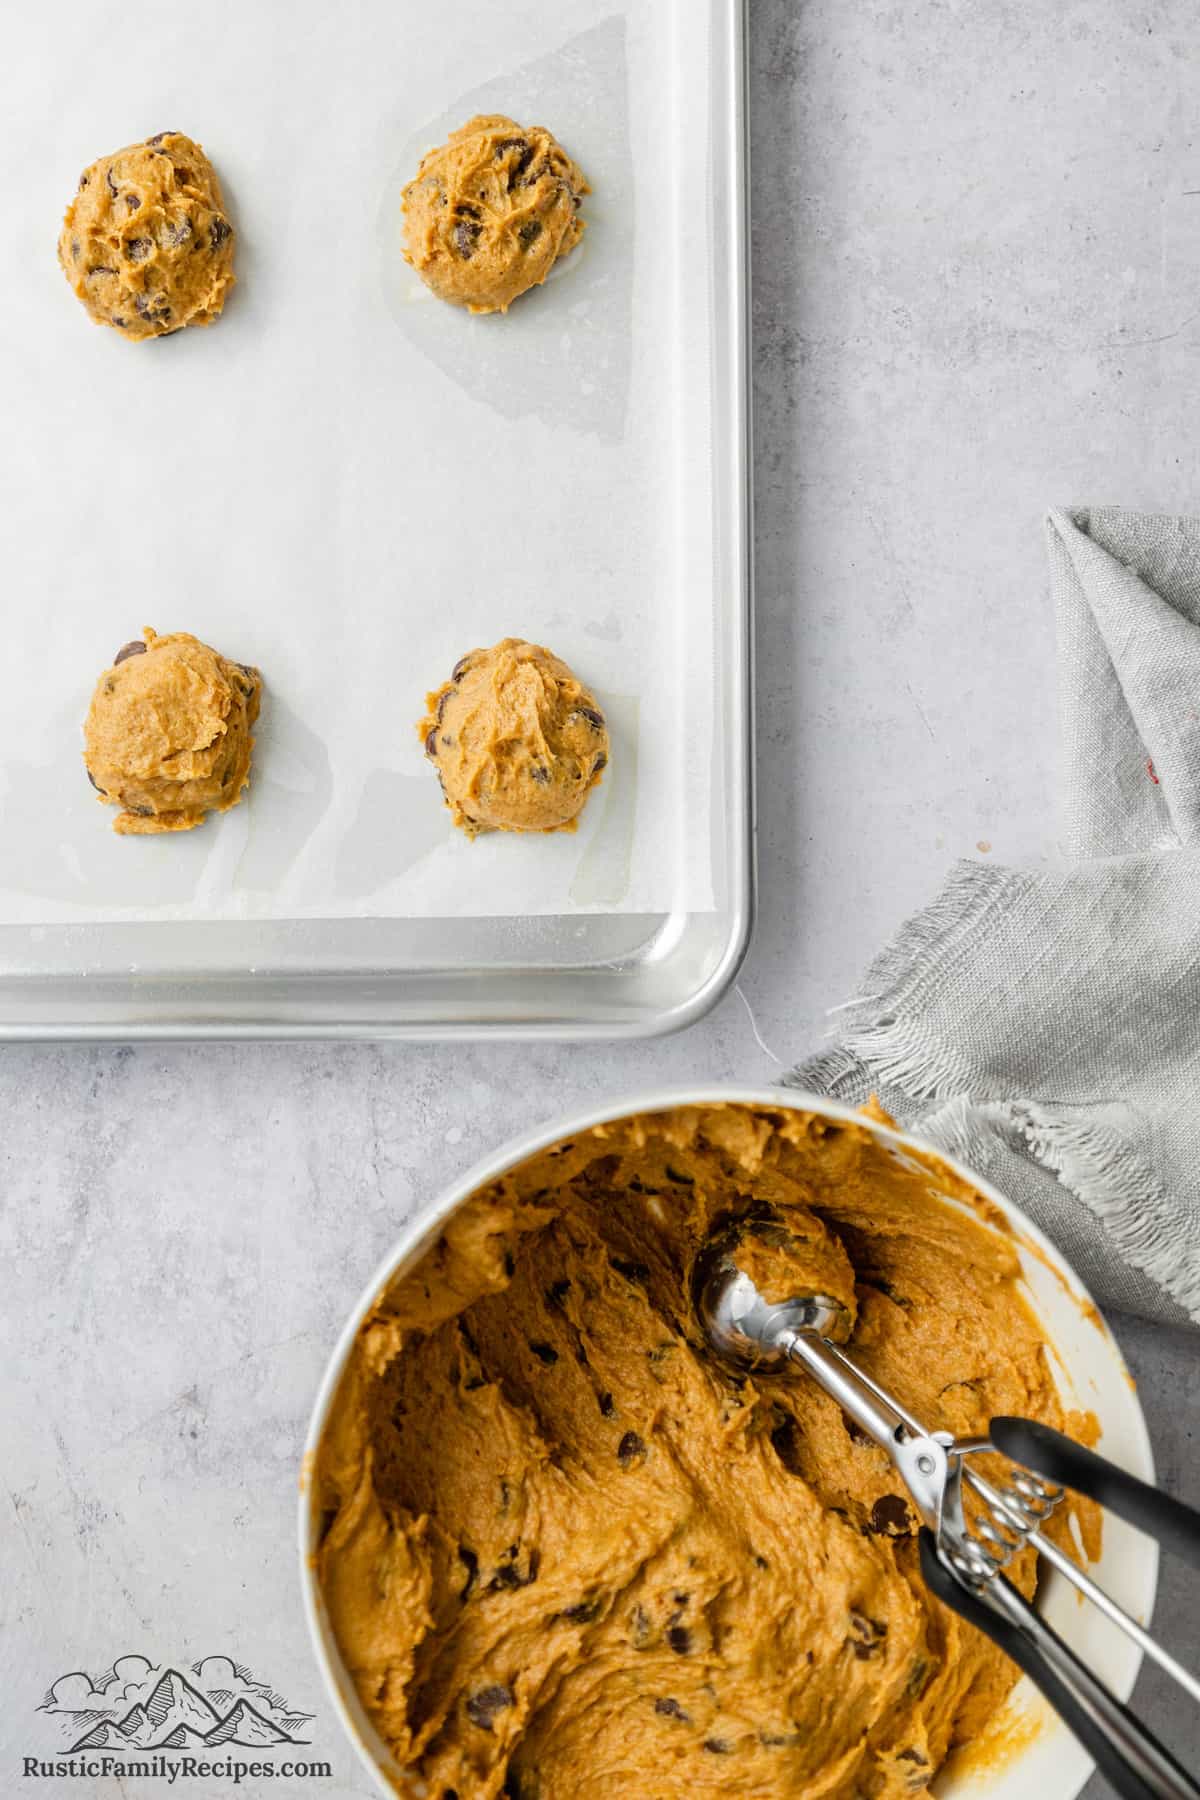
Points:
[[490, 212], [567, 1555], [167, 736], [518, 741], [146, 242]]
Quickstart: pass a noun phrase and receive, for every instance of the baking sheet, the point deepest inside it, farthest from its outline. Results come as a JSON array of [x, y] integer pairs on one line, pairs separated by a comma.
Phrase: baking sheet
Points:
[[348, 483]]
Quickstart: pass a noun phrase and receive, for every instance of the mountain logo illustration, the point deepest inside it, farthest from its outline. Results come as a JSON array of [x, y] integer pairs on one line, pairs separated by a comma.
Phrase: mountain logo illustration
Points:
[[138, 1705], [242, 1724]]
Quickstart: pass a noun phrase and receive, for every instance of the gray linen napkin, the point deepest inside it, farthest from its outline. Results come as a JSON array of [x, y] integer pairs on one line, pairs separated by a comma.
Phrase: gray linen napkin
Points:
[[1045, 1028]]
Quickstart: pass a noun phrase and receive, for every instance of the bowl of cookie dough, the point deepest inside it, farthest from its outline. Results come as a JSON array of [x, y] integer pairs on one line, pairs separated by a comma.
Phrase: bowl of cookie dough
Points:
[[550, 1547]]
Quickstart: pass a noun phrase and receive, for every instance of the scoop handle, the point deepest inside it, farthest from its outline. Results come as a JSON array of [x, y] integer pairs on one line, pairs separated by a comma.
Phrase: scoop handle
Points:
[[1132, 1761], [1047, 1452]]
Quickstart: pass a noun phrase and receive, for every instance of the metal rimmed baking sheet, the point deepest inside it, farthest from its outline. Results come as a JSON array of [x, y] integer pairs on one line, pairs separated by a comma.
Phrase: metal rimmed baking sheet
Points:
[[349, 484]]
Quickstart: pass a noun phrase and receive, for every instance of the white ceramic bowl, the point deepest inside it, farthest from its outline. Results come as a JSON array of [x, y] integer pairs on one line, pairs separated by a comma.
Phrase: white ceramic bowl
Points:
[[1027, 1753]]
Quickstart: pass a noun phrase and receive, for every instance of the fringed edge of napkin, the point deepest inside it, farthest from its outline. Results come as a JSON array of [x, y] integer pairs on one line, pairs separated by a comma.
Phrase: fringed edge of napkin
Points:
[[883, 1051], [1096, 1165], [877, 1043]]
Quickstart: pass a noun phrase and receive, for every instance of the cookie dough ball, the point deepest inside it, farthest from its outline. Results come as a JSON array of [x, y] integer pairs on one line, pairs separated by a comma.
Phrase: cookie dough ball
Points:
[[146, 243], [517, 739], [167, 736], [489, 213]]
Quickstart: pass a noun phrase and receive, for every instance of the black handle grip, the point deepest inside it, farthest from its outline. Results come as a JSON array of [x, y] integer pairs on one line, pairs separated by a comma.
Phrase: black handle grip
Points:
[[1048, 1452], [1124, 1780]]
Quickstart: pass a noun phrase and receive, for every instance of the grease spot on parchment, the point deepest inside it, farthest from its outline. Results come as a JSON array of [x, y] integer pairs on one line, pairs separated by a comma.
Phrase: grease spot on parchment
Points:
[[563, 352], [389, 834]]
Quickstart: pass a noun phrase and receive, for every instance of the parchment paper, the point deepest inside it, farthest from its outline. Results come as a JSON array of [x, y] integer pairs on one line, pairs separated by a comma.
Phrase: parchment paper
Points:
[[345, 481]]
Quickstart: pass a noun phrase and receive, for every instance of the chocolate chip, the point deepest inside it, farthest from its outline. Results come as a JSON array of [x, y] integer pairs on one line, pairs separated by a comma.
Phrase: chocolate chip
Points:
[[557, 1292], [719, 1746], [135, 648], [466, 236], [678, 1177], [218, 231], [431, 742], [94, 782], [183, 177], [147, 309], [510, 1576], [866, 1636], [632, 1271], [607, 1406], [138, 249], [671, 1709], [594, 718], [679, 1639], [630, 1450], [463, 211], [545, 1353], [487, 1703], [460, 668], [540, 773], [583, 1612], [913, 1756], [175, 232], [112, 186], [522, 161], [916, 1678], [159, 136], [75, 248], [84, 179], [141, 812], [470, 1563], [121, 322], [890, 1517], [133, 201], [600, 763], [529, 232], [760, 1562]]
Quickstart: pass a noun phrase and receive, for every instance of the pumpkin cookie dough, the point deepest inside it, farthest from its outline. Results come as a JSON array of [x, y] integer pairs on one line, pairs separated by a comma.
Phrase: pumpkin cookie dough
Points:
[[167, 736], [567, 1553], [490, 212], [146, 242], [518, 741]]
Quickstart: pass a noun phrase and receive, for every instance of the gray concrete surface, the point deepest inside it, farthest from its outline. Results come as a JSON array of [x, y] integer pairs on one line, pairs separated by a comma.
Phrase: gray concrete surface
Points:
[[976, 261]]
